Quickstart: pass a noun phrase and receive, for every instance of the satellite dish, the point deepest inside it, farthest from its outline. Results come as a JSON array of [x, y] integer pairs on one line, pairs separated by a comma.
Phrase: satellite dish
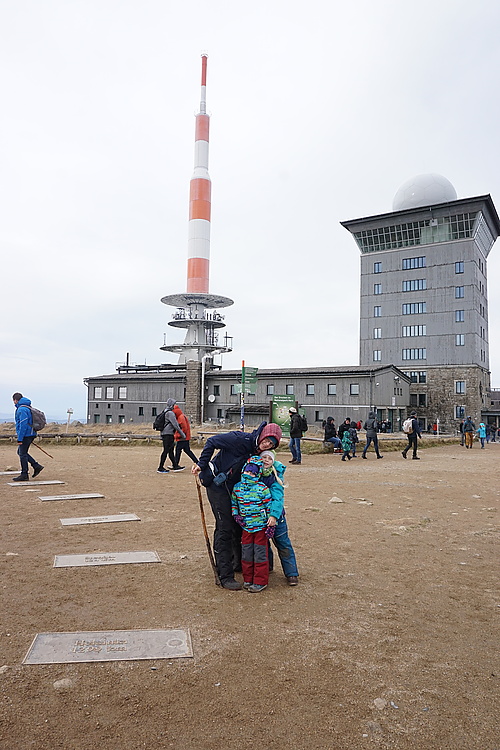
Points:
[[211, 398]]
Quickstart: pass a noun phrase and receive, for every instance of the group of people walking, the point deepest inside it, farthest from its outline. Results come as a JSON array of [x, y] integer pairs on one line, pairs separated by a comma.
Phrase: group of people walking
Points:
[[485, 432]]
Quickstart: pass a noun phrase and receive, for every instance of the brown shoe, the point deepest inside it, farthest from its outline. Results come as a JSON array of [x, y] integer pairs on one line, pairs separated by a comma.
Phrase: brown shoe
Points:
[[292, 580]]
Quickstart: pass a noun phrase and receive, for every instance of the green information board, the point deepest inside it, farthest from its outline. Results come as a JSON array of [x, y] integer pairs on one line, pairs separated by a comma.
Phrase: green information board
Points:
[[280, 408]]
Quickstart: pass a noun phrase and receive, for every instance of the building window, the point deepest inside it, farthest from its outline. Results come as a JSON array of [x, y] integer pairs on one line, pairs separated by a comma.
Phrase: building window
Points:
[[332, 389], [377, 333], [309, 389], [121, 406], [270, 390], [377, 268], [318, 416], [414, 308], [141, 411], [122, 391], [216, 390], [109, 406], [98, 392], [289, 389], [459, 316], [459, 292], [377, 311], [121, 418], [97, 418], [422, 376], [414, 354], [459, 412], [377, 355], [96, 406], [220, 415], [413, 399], [414, 233], [234, 389], [354, 389], [153, 411], [460, 339], [422, 399], [459, 266], [459, 386], [414, 285], [413, 376], [413, 263], [109, 391], [109, 419], [377, 289], [414, 330]]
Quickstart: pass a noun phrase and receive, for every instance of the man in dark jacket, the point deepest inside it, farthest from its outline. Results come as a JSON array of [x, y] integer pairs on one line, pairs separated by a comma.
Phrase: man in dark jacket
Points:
[[413, 437], [469, 430], [219, 477], [295, 436], [371, 426], [25, 436], [331, 433]]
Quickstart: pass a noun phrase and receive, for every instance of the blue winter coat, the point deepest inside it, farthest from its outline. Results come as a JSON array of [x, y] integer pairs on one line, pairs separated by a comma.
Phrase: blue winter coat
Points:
[[234, 449], [482, 430], [24, 419]]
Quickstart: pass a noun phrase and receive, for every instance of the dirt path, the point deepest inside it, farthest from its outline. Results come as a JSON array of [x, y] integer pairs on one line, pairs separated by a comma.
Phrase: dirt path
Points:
[[389, 641]]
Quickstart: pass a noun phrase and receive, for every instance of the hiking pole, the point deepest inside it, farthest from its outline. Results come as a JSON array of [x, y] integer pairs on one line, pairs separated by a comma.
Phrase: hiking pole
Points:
[[41, 449], [207, 540]]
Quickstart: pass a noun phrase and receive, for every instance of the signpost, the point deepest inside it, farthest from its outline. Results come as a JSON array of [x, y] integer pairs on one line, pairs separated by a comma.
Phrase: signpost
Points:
[[248, 385]]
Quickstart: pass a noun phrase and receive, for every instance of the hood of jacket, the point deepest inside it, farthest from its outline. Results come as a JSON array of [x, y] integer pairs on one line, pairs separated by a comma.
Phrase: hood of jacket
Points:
[[371, 415], [23, 402]]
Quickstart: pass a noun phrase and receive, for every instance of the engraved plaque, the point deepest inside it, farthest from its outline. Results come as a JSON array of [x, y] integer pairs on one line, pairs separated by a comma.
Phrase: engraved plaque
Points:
[[104, 558], [34, 481], [99, 519], [108, 645], [70, 497]]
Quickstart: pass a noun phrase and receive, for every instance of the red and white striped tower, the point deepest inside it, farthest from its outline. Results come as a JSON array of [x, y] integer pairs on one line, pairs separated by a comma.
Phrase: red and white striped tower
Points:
[[202, 338], [199, 199]]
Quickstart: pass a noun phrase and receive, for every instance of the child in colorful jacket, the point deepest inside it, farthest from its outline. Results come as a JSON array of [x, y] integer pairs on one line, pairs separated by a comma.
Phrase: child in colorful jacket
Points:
[[250, 504], [272, 477], [347, 444]]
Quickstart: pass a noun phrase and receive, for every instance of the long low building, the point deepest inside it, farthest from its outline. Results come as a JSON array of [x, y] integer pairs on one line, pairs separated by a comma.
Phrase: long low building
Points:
[[136, 394]]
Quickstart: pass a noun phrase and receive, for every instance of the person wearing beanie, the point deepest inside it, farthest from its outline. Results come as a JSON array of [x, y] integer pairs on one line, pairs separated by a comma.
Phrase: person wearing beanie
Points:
[[295, 436], [167, 436], [250, 506], [272, 477], [219, 476], [25, 436], [469, 430]]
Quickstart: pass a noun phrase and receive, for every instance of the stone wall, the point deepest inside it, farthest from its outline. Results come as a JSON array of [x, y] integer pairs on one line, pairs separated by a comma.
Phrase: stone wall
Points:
[[193, 391]]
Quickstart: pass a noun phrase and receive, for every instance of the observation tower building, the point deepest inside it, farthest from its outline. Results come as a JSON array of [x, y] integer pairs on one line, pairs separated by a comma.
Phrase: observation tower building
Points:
[[424, 303]]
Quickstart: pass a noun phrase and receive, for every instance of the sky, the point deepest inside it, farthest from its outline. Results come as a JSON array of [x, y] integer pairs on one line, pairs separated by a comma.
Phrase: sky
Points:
[[319, 112]]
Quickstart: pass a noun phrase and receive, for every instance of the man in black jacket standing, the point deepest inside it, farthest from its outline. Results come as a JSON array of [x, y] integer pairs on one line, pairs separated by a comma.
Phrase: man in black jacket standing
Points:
[[371, 426], [295, 436]]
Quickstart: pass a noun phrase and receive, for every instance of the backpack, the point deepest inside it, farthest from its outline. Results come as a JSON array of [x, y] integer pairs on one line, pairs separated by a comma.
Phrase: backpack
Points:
[[408, 426], [159, 422], [303, 423], [39, 421]]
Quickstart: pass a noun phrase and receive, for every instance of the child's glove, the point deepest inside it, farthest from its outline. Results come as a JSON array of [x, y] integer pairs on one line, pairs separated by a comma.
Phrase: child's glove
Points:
[[239, 520], [270, 531]]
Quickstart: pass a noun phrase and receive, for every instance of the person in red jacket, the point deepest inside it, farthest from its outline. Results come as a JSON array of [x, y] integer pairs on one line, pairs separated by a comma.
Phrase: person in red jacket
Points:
[[180, 443]]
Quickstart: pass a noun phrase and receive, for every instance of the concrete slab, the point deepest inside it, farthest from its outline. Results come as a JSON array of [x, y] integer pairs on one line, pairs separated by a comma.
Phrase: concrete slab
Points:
[[86, 496], [8, 473], [104, 558], [32, 482], [99, 519], [108, 645]]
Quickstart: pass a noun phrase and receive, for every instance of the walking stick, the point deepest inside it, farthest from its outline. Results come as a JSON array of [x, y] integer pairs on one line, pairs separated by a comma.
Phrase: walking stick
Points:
[[41, 449], [207, 540]]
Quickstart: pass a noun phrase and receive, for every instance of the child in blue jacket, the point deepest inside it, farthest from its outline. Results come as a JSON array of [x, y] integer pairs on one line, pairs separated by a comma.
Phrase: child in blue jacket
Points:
[[272, 476], [251, 508]]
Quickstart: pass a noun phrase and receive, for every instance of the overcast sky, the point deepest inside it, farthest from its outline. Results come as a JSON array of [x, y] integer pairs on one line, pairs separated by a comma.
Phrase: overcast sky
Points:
[[320, 111]]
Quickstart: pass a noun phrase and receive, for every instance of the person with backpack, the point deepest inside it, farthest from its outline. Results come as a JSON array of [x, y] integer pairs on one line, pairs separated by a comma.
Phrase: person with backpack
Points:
[[411, 427], [469, 430], [296, 431], [371, 427], [25, 436], [170, 426], [180, 443]]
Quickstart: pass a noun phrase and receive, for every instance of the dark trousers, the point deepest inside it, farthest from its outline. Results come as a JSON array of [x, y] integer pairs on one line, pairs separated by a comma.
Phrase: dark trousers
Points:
[[254, 557], [227, 534], [24, 456], [412, 443], [371, 439], [183, 445], [168, 450]]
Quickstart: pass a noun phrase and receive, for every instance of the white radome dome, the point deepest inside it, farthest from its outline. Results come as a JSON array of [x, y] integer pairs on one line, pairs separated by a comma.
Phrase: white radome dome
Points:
[[424, 190]]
